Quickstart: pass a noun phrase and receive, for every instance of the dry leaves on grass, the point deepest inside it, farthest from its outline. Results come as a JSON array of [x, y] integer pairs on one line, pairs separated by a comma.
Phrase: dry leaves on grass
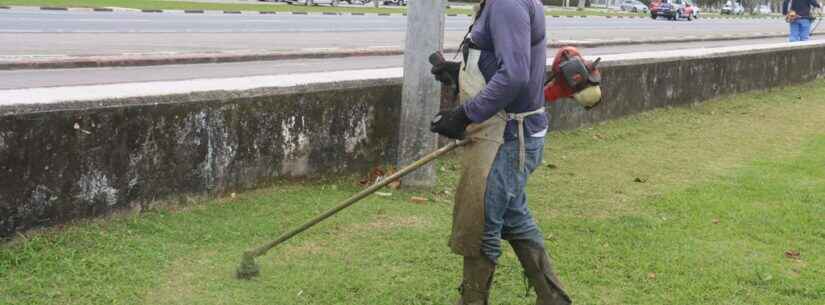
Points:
[[377, 174], [418, 200], [793, 254]]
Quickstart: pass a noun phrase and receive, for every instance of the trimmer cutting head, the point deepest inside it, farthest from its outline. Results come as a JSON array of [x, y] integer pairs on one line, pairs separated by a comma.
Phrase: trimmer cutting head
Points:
[[248, 268]]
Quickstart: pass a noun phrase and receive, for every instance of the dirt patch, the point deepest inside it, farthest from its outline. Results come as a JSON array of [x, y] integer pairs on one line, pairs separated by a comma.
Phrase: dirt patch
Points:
[[177, 285], [383, 222], [304, 248]]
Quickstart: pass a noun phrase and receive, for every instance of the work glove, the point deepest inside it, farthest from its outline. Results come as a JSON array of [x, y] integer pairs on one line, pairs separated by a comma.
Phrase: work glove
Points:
[[450, 123], [446, 72]]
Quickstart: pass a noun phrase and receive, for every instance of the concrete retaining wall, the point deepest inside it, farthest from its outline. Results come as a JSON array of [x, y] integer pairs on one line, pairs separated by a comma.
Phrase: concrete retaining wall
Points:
[[77, 162], [75, 152]]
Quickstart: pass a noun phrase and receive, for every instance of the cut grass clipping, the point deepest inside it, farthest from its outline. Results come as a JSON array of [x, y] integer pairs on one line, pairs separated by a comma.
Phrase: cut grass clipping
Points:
[[719, 203]]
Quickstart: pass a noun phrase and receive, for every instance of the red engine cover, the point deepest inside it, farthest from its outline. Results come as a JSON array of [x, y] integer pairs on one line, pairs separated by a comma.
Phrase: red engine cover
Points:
[[558, 89]]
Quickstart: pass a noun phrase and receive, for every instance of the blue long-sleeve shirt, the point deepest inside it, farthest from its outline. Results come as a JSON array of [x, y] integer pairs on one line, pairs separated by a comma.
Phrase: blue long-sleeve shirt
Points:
[[511, 36], [802, 7]]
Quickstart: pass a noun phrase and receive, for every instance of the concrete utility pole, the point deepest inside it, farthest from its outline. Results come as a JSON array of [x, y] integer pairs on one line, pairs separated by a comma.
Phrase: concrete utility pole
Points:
[[421, 93]]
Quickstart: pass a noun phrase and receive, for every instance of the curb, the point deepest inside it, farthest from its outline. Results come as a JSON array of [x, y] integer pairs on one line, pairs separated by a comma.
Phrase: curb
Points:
[[228, 57], [106, 9], [549, 15], [605, 43], [153, 60]]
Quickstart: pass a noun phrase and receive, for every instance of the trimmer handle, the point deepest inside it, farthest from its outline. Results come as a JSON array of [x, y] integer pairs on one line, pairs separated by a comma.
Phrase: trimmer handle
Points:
[[437, 58]]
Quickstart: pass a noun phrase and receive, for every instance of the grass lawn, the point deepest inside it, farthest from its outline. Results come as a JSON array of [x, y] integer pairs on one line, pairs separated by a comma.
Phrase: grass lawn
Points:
[[719, 203], [252, 6]]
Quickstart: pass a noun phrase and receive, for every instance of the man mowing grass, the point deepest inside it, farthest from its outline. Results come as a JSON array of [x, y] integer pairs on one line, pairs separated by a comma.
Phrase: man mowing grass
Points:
[[500, 82]]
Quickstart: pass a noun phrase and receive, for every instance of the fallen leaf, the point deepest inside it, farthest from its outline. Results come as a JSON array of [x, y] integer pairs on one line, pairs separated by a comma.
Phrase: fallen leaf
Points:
[[651, 275], [375, 175], [640, 180], [377, 172], [552, 166], [418, 200], [716, 221], [233, 195], [793, 254]]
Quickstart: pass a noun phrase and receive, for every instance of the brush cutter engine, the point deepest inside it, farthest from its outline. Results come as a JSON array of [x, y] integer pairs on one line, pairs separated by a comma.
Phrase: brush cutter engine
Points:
[[574, 77]]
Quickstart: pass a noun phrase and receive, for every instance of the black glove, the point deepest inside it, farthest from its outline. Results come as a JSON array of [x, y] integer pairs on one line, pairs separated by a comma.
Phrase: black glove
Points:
[[450, 123], [446, 72]]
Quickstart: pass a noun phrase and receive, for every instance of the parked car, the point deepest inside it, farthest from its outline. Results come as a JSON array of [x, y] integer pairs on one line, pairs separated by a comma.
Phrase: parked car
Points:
[[662, 8], [732, 8], [633, 6], [671, 9], [314, 2], [684, 9], [762, 10]]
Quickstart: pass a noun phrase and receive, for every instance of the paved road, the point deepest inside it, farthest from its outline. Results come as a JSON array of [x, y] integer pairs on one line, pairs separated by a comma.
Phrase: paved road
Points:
[[44, 33], [16, 79]]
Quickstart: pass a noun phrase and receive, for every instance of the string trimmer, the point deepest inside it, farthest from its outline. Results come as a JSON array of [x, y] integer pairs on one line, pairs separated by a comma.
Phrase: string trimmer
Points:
[[249, 268]]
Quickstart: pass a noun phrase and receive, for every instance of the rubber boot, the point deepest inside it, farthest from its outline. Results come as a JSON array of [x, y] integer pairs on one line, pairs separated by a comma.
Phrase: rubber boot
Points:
[[478, 276], [538, 269]]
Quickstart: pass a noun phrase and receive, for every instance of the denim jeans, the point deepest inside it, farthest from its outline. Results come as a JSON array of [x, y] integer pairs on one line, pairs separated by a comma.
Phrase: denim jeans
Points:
[[800, 30], [505, 204]]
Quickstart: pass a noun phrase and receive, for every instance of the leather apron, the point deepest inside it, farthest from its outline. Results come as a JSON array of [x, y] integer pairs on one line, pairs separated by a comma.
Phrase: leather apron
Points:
[[476, 161]]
